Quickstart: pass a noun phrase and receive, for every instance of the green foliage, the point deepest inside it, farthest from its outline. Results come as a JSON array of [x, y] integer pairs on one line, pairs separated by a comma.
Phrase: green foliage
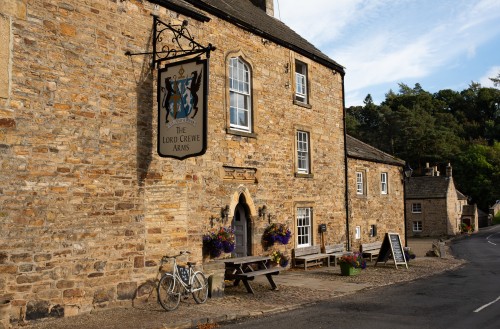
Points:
[[496, 219], [462, 128]]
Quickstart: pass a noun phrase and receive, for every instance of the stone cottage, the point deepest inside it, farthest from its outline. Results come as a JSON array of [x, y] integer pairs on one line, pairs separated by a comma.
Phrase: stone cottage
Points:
[[433, 205], [89, 204], [376, 194]]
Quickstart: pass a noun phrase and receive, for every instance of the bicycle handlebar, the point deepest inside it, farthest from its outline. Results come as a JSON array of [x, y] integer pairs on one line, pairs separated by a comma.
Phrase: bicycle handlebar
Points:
[[183, 252]]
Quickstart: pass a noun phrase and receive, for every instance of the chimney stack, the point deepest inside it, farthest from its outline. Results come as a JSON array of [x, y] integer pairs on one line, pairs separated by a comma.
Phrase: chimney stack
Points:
[[429, 171], [448, 170], [266, 5]]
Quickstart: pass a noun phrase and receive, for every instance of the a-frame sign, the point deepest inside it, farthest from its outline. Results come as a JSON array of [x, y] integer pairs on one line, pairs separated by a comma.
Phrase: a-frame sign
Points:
[[392, 248]]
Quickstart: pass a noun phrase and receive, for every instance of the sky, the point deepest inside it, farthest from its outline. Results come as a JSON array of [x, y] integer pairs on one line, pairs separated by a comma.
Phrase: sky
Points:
[[440, 44]]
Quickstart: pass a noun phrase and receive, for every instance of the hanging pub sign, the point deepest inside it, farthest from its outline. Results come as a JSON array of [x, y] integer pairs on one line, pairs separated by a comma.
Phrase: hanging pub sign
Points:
[[182, 109]]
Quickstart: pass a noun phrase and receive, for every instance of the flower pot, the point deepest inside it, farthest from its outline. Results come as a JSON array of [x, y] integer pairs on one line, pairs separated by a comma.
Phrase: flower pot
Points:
[[347, 269]]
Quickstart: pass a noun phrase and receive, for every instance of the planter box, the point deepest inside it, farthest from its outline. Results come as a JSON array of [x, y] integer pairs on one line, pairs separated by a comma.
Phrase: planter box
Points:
[[347, 269]]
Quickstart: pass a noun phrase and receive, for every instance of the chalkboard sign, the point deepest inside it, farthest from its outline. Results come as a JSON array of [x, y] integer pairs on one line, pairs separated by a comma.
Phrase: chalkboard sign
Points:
[[322, 228], [392, 248]]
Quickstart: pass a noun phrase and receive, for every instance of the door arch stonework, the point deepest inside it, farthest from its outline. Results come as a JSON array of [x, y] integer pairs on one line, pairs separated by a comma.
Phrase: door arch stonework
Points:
[[242, 212]]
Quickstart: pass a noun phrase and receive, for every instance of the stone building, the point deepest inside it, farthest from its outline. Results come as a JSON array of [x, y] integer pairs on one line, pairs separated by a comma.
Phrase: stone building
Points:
[[88, 207], [433, 205], [376, 194]]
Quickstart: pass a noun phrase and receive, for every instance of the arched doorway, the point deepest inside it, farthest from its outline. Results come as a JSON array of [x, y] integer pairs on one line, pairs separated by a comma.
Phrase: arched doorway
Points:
[[241, 224]]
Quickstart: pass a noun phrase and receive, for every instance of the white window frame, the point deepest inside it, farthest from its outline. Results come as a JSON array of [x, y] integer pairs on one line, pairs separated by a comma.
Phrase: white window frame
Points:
[[357, 233], [304, 225], [240, 92], [303, 152], [301, 82], [417, 226], [416, 208], [360, 188], [383, 183]]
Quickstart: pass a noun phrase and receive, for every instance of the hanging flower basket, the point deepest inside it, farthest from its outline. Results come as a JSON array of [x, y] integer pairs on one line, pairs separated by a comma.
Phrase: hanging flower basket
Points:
[[219, 241], [279, 233]]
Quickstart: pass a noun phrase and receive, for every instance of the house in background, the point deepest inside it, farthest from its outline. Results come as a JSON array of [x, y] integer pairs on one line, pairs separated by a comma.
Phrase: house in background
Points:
[[376, 195], [434, 206]]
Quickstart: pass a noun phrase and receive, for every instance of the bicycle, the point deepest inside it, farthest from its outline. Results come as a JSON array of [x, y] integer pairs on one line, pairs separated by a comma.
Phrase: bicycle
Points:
[[182, 281]]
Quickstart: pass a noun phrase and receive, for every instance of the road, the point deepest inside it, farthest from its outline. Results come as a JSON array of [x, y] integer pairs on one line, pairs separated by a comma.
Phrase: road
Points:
[[468, 297]]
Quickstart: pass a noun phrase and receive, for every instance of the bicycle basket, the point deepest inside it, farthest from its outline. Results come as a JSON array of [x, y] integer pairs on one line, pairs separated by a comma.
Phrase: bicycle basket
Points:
[[183, 273]]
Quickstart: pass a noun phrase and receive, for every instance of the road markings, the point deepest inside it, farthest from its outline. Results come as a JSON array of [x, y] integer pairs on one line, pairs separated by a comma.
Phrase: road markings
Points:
[[486, 305], [492, 243]]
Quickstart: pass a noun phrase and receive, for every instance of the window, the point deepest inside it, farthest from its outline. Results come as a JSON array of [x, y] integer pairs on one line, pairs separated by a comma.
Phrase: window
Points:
[[304, 237], [383, 183], [303, 152], [416, 208], [301, 82], [357, 233], [359, 183], [373, 230], [417, 226], [240, 115]]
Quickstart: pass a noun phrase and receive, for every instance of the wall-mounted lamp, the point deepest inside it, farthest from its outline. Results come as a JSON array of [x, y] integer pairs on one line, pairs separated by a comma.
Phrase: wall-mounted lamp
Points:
[[407, 171], [263, 211], [224, 213]]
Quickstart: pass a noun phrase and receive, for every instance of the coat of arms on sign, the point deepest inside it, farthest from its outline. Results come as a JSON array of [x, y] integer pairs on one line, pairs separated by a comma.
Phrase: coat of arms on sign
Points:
[[180, 95]]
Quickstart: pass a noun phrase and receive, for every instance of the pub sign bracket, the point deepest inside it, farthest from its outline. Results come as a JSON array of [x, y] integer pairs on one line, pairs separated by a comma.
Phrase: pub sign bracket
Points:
[[172, 42]]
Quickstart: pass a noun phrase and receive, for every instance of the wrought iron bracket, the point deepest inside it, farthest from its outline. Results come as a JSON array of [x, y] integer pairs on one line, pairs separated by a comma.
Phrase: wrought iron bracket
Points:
[[182, 43]]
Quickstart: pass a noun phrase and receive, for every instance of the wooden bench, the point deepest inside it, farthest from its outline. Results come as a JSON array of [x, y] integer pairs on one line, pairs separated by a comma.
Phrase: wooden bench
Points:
[[335, 251], [249, 276], [370, 249], [309, 256]]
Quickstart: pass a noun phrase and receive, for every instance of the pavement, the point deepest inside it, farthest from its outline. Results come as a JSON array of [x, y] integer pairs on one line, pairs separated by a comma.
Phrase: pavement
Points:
[[297, 288]]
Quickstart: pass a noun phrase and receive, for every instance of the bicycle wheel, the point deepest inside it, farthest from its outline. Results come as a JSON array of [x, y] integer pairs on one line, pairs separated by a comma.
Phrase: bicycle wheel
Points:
[[168, 292], [199, 287]]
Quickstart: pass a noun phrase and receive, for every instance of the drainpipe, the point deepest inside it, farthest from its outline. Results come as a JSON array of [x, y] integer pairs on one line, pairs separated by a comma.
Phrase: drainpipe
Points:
[[345, 171]]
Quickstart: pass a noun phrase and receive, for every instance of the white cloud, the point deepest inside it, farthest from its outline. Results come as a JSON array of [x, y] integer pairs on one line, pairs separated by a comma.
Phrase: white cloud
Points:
[[491, 73], [381, 42]]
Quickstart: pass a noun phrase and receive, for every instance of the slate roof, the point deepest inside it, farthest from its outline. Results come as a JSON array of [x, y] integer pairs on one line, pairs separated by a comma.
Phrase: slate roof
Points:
[[246, 15], [427, 187], [356, 149]]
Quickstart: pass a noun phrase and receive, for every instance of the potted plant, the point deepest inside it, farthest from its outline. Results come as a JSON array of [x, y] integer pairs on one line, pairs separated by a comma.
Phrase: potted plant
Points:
[[219, 241], [276, 233], [352, 264], [466, 228], [409, 254], [278, 258]]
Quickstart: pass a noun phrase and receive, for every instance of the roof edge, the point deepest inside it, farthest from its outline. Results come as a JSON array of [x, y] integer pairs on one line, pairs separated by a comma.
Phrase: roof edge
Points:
[[223, 15], [181, 10]]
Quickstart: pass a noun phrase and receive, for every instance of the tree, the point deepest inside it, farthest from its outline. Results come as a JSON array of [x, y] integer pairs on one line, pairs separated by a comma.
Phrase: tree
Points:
[[449, 126], [496, 81]]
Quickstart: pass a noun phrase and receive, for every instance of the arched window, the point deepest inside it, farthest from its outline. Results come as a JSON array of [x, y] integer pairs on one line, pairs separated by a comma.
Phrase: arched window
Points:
[[240, 112]]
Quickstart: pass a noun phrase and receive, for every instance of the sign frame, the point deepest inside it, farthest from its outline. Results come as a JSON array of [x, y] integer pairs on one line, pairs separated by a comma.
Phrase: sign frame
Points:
[[182, 96], [392, 248]]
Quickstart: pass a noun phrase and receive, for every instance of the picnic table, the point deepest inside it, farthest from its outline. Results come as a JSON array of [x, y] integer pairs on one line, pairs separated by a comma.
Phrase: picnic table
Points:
[[247, 268]]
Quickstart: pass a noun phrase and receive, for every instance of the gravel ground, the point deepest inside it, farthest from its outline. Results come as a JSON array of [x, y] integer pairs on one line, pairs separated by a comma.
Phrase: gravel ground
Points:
[[237, 303]]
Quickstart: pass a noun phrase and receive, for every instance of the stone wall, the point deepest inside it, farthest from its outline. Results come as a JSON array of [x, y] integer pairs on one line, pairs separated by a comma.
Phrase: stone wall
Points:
[[385, 211], [88, 207], [433, 217]]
